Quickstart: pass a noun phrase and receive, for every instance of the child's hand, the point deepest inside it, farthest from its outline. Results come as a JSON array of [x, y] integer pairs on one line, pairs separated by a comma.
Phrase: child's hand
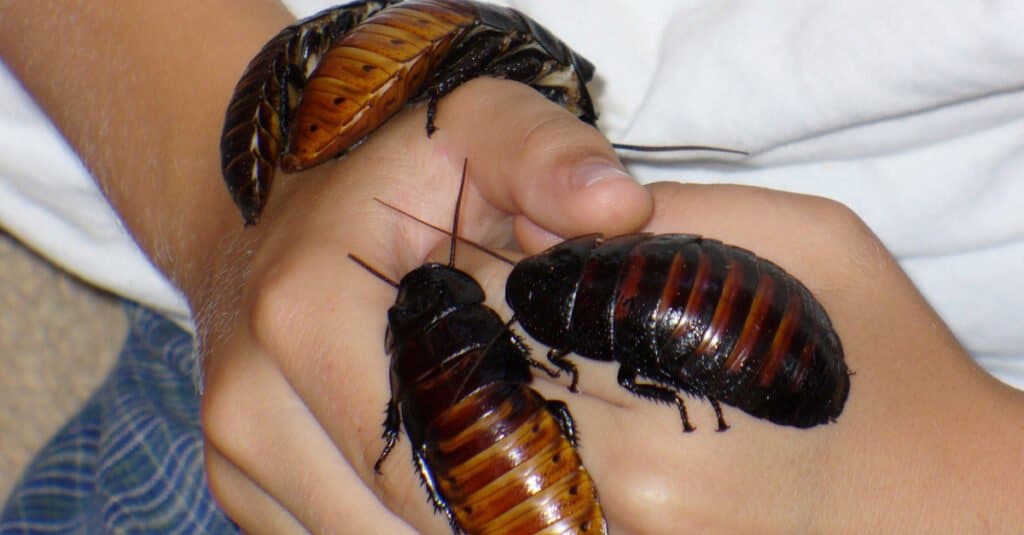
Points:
[[293, 331]]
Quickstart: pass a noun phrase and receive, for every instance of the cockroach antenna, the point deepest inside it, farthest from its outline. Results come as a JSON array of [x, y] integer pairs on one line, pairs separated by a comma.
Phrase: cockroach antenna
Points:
[[478, 246], [455, 218], [373, 271], [675, 148]]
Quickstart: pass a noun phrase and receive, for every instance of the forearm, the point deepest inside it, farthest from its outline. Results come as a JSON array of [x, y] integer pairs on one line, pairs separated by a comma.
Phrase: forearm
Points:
[[139, 90]]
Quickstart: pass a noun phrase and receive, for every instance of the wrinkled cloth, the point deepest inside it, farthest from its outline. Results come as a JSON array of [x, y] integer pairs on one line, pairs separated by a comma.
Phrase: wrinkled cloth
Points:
[[911, 113], [132, 460]]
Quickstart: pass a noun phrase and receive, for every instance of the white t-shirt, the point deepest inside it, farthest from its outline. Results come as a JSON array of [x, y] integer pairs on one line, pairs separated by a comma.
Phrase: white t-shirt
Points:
[[911, 113]]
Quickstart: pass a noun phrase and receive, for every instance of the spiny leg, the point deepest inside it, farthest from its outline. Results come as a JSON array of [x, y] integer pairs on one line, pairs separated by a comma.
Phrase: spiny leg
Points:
[[557, 357], [476, 53], [722, 426], [627, 379], [560, 411], [392, 425], [419, 458], [534, 363], [524, 350]]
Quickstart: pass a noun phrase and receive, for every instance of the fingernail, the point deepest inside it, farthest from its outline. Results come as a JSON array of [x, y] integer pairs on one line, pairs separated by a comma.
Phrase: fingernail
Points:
[[591, 171]]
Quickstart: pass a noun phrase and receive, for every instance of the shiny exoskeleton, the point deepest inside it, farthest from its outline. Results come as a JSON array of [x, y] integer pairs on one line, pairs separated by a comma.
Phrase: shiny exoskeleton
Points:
[[685, 314], [323, 84], [494, 455], [257, 119]]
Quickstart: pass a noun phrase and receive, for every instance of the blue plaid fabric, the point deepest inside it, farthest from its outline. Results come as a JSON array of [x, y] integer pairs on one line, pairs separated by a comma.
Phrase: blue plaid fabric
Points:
[[132, 460]]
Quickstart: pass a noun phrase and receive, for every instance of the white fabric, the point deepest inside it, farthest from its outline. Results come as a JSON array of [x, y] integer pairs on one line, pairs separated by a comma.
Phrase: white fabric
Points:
[[911, 113]]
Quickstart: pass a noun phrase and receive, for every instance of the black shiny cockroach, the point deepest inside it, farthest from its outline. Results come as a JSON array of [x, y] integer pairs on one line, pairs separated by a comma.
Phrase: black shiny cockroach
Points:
[[683, 313], [322, 84], [494, 455]]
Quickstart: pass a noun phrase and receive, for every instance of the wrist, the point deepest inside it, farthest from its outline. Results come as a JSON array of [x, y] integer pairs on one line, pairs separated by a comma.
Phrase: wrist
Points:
[[142, 103]]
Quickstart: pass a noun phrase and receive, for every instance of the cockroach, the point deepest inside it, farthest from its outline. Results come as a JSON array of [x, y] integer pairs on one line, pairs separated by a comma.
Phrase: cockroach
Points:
[[321, 85], [494, 455], [684, 313]]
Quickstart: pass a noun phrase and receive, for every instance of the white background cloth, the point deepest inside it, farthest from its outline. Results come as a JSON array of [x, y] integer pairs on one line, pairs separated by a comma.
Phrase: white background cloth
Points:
[[911, 113]]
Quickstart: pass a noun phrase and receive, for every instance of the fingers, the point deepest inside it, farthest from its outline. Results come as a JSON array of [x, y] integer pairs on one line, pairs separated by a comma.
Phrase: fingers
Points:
[[272, 466], [243, 501], [295, 392], [529, 156]]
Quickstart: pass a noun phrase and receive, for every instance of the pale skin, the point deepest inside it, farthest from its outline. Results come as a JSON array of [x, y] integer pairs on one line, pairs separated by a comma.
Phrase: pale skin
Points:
[[292, 331]]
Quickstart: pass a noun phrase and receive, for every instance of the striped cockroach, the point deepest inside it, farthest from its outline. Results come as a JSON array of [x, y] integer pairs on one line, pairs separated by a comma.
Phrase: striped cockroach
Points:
[[322, 84], [494, 455], [683, 313]]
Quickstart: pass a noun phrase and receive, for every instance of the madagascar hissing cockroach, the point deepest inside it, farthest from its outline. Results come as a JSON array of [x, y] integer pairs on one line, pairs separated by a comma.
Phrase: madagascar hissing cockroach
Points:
[[322, 84], [683, 313], [494, 455]]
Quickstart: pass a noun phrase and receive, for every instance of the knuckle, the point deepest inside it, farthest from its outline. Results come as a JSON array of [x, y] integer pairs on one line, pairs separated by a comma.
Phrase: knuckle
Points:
[[556, 133], [273, 306], [842, 219], [218, 413], [653, 501], [843, 228], [216, 476]]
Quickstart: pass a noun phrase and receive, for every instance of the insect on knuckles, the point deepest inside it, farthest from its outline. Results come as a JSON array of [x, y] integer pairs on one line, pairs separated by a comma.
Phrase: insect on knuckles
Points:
[[321, 85], [460, 387], [682, 313]]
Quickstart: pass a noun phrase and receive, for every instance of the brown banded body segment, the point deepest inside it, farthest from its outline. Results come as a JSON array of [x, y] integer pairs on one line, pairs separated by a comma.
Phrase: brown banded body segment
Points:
[[494, 455], [369, 74], [685, 314], [509, 468]]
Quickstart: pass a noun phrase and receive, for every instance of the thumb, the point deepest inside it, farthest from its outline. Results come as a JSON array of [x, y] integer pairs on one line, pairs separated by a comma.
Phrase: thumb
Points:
[[557, 174]]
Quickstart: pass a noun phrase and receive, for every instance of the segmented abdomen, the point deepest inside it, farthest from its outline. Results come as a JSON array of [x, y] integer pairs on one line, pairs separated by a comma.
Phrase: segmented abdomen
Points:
[[369, 74], [713, 320], [506, 467], [256, 121], [494, 455]]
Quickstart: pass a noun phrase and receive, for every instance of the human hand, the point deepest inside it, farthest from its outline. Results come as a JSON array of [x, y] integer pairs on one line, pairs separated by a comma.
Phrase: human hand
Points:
[[292, 331], [299, 374], [923, 428], [296, 375]]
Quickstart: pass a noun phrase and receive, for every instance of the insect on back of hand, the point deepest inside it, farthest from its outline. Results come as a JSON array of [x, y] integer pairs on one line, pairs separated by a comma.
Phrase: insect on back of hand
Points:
[[323, 84], [494, 455], [683, 314]]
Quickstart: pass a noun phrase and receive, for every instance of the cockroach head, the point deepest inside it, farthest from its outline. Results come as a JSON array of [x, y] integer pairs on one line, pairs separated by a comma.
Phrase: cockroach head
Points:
[[541, 289], [428, 293]]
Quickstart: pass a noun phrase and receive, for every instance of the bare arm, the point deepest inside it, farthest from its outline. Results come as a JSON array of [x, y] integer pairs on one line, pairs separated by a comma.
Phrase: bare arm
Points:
[[296, 375], [139, 90], [294, 384]]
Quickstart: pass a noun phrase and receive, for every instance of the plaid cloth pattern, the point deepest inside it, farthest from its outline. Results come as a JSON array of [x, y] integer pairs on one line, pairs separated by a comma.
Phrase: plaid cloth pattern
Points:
[[132, 460]]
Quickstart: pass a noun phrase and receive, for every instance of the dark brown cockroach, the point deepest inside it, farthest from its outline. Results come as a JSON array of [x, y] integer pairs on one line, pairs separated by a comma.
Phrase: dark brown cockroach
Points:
[[422, 50], [682, 313], [324, 83], [494, 455]]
